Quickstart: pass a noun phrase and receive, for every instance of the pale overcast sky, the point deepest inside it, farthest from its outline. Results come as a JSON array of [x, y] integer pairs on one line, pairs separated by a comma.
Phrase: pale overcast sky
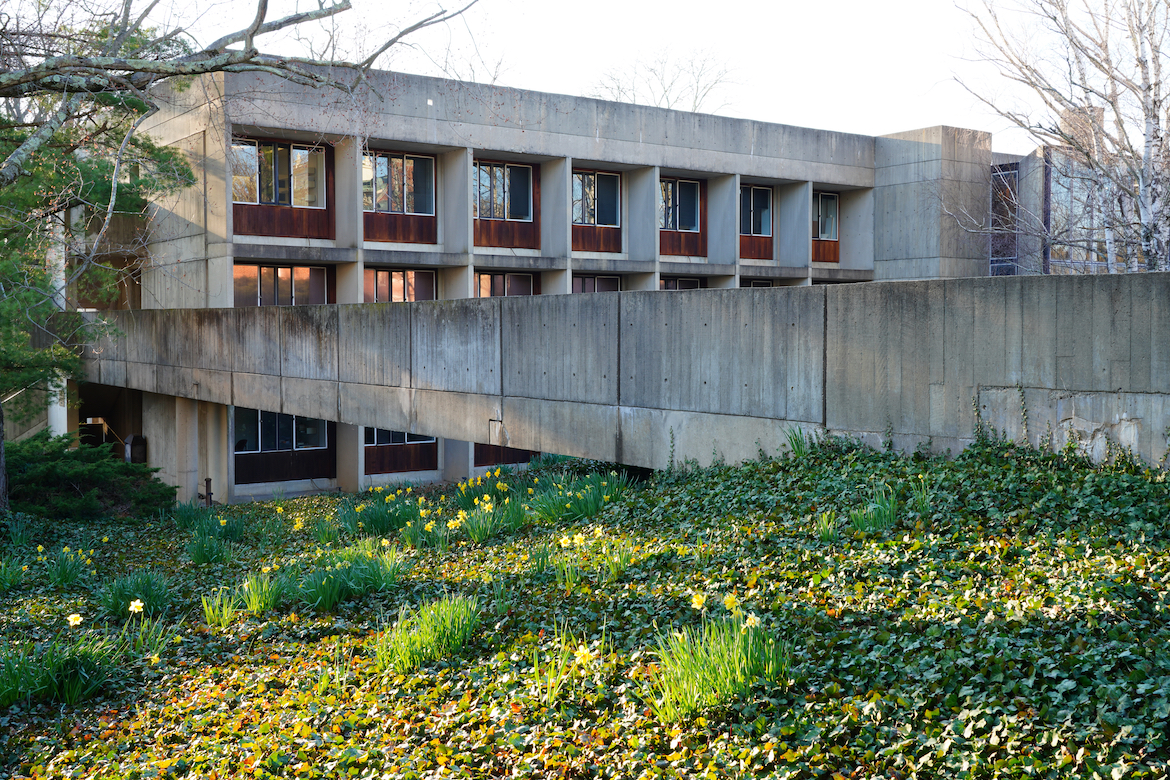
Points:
[[864, 66]]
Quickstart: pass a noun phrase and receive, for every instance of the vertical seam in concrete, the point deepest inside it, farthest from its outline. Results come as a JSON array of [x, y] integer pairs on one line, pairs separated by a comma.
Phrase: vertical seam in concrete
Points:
[[617, 446], [825, 356]]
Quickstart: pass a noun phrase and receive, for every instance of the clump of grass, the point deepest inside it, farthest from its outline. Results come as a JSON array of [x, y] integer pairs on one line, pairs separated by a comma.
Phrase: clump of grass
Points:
[[553, 669], [568, 572], [481, 523], [325, 530], [798, 443], [540, 559], [220, 608], [11, 573], [19, 529], [323, 589], [150, 587], [714, 664], [206, 547], [826, 526], [74, 670], [223, 527], [617, 560], [65, 567], [190, 515], [923, 495], [262, 593], [435, 631]]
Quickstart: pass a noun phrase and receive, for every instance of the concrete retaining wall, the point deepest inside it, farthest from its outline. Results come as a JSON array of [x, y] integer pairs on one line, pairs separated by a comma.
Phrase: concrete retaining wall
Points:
[[718, 372]]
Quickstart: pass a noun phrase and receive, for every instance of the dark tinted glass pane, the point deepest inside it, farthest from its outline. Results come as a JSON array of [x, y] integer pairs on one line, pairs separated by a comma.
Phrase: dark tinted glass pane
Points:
[[284, 287], [414, 438], [420, 192], [519, 284], [397, 437], [745, 211], [283, 176], [762, 211], [310, 433], [383, 436], [246, 285], [247, 430], [267, 285], [609, 284], [519, 192], [369, 436], [382, 184], [267, 173], [317, 293], [420, 285], [688, 205], [284, 431], [369, 286], [688, 284], [608, 199], [269, 437], [498, 285], [578, 284]]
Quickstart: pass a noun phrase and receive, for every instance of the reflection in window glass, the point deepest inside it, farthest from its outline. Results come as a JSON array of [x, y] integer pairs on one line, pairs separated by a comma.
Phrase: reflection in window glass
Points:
[[310, 433], [688, 205], [755, 211], [308, 177], [609, 187], [504, 191], [667, 219], [244, 168], [827, 217], [247, 430], [247, 290]]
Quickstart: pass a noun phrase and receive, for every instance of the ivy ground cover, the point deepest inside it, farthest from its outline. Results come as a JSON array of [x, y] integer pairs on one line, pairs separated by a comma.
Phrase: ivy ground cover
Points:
[[840, 613]]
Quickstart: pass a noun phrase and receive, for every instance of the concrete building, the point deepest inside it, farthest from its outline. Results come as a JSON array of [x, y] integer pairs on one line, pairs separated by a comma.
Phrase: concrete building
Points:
[[419, 188]]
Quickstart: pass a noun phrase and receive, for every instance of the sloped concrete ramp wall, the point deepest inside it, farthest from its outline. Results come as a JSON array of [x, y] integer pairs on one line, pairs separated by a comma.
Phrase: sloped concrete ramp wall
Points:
[[636, 377]]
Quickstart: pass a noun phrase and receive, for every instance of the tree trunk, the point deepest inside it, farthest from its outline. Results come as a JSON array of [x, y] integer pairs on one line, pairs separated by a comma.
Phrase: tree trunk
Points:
[[3, 469]]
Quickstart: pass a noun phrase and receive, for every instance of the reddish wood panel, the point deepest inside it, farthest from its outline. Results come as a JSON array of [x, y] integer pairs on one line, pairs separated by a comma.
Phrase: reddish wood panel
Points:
[[396, 458], [261, 219], [755, 247], [826, 251], [253, 467], [678, 242], [513, 235], [401, 228], [596, 238], [494, 454]]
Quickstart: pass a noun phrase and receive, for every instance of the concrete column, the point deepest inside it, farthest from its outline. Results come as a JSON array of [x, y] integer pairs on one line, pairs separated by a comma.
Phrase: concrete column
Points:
[[556, 208], [723, 219], [350, 460], [456, 217], [58, 412], [218, 252], [647, 281], [642, 198], [793, 224], [456, 282], [856, 229], [556, 282], [171, 427], [347, 165], [214, 450], [455, 459]]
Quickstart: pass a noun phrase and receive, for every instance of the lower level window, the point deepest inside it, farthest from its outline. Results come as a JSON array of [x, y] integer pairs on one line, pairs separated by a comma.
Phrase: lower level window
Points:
[[257, 431], [377, 436], [495, 285], [267, 285], [388, 286], [588, 284], [680, 283]]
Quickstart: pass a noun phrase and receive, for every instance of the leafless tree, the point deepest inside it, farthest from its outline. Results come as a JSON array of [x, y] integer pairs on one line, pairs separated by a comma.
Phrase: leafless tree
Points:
[[686, 83], [1093, 73]]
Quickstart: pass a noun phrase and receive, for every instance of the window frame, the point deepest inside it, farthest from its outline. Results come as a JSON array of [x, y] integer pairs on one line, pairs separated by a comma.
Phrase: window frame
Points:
[[583, 172], [290, 146], [674, 208], [751, 190], [408, 438], [477, 165], [836, 198], [260, 432], [371, 295], [375, 154], [594, 278], [292, 281], [506, 277]]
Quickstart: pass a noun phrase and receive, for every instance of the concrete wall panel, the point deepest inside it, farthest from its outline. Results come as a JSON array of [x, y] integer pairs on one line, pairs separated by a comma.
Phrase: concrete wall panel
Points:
[[455, 346]]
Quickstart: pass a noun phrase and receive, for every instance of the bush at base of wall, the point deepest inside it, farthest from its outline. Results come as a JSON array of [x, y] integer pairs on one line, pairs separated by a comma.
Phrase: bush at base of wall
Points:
[[48, 477]]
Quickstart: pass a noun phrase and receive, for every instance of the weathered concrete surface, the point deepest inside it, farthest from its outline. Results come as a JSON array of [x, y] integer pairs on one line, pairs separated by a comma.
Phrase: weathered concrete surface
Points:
[[721, 372]]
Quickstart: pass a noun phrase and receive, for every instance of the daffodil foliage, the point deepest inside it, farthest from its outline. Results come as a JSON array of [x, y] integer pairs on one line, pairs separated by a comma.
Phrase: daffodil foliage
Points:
[[1012, 621]]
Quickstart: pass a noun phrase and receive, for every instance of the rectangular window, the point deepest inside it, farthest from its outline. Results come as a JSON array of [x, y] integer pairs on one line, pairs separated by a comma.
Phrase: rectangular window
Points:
[[266, 285], [678, 206], [588, 284], [825, 216], [386, 286], [496, 285], [755, 211], [679, 284], [596, 198], [503, 191], [257, 431], [398, 183], [1004, 219], [378, 437], [278, 174]]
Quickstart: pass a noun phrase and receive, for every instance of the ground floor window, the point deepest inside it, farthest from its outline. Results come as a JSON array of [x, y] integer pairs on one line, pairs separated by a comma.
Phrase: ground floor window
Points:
[[258, 431], [680, 283], [391, 452], [588, 284]]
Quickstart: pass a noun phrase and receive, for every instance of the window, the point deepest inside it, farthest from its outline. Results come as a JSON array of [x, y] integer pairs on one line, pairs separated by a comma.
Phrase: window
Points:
[[398, 286], [678, 208], [267, 285], [376, 437], [257, 431], [679, 284], [503, 191], [278, 174], [596, 198], [398, 183], [1004, 219], [495, 285], [825, 216], [588, 284], [755, 211]]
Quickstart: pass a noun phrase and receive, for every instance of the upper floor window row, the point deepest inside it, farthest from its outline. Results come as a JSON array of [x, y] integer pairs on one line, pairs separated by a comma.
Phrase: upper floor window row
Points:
[[503, 191], [678, 208], [596, 198], [278, 174], [755, 211], [398, 183], [825, 205]]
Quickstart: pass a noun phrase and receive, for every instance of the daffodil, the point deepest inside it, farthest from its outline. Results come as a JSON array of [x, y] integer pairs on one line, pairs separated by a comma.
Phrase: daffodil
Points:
[[280, 510], [136, 606], [531, 491], [105, 539], [154, 659], [40, 548], [698, 600], [582, 655], [74, 620], [222, 521], [429, 526], [730, 602], [751, 622]]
